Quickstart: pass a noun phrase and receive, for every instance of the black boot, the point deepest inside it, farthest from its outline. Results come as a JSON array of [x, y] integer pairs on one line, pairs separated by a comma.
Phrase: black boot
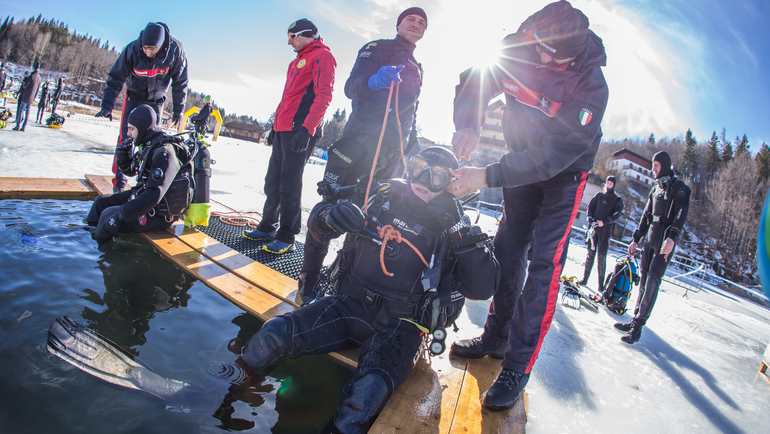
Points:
[[633, 335], [506, 390], [624, 326], [479, 347]]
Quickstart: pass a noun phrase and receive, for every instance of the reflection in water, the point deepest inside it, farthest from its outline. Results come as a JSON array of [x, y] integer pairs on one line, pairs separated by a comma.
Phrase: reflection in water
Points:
[[136, 286]]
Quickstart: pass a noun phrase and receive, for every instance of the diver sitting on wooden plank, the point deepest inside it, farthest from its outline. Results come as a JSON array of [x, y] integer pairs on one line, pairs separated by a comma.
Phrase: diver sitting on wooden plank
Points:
[[413, 260], [164, 187]]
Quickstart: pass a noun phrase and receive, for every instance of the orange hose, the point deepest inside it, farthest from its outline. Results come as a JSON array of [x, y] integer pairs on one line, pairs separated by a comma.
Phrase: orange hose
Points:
[[379, 146], [398, 124], [388, 233]]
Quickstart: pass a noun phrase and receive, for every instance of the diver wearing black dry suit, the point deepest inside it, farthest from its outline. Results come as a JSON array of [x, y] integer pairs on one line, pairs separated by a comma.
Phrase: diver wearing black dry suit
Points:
[[164, 181], [382, 295]]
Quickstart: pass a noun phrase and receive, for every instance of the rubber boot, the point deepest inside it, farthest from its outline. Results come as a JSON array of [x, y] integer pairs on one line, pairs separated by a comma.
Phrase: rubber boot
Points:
[[478, 347], [624, 326], [633, 335], [506, 390]]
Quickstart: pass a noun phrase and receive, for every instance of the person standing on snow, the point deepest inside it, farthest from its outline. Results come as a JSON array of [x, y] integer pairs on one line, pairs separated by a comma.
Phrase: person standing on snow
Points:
[[27, 94], [603, 210], [379, 63], [556, 95], [148, 66], [57, 94], [662, 222], [42, 103], [306, 96]]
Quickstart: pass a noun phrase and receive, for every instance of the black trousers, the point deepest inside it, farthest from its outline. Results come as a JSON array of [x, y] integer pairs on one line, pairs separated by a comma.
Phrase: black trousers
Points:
[[40, 112], [143, 224], [598, 245], [350, 163], [537, 221], [653, 267], [120, 181], [388, 349], [283, 188]]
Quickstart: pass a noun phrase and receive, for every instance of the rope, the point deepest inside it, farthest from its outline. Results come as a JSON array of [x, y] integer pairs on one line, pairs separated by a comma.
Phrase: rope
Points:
[[235, 218], [379, 147], [388, 233]]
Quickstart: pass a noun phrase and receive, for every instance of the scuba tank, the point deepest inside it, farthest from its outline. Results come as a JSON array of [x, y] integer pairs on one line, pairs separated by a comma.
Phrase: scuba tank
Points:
[[200, 210]]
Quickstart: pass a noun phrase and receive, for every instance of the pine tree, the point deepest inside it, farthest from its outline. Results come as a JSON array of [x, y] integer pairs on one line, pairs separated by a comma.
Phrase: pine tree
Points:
[[727, 152], [742, 147], [689, 166], [712, 155], [763, 163]]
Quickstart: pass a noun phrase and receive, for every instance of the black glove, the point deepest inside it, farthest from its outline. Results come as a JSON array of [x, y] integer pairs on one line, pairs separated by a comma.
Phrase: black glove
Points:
[[109, 223], [104, 113], [345, 216], [467, 237], [300, 140], [175, 118], [271, 138]]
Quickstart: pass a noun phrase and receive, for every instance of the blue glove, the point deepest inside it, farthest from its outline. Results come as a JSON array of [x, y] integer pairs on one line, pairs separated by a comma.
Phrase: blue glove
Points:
[[381, 79]]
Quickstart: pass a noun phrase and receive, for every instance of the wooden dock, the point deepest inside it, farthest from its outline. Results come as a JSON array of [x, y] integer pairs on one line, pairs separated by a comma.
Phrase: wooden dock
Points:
[[441, 395]]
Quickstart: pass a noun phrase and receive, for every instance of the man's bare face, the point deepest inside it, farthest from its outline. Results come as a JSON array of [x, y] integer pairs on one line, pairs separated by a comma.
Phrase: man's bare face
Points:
[[412, 28], [150, 50]]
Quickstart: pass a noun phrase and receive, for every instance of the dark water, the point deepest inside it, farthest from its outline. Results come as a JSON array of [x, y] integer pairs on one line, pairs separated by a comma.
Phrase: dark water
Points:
[[50, 266]]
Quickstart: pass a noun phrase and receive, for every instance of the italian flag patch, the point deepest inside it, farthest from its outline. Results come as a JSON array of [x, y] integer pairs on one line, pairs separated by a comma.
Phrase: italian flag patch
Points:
[[585, 117]]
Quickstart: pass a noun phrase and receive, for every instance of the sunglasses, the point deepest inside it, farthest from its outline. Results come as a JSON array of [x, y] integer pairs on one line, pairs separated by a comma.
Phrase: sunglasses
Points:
[[436, 178], [294, 35]]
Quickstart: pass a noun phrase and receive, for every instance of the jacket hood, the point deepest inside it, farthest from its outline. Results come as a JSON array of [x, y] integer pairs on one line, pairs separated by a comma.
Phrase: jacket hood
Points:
[[317, 44]]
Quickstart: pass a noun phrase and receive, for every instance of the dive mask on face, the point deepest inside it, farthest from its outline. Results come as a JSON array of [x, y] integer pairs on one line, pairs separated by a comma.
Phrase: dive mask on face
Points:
[[434, 178]]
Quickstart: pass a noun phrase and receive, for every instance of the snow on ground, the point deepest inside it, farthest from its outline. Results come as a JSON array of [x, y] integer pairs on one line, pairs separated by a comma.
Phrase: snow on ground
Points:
[[695, 369]]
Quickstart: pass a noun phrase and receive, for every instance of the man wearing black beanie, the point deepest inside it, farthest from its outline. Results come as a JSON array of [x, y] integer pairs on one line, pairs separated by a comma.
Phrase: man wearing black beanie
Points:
[[603, 210], [148, 66], [555, 92], [378, 64], [660, 227]]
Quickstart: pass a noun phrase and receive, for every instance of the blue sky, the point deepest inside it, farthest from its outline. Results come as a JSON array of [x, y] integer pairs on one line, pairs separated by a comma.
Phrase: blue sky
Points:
[[672, 64]]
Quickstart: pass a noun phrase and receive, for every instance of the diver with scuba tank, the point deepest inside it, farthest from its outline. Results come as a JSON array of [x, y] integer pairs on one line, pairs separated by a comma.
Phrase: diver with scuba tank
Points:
[[412, 259], [163, 165]]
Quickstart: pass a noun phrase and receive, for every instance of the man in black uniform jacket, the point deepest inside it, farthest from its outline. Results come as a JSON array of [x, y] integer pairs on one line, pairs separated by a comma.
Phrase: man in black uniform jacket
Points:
[[164, 185], [148, 66], [661, 225], [603, 210], [556, 94], [382, 288], [350, 158]]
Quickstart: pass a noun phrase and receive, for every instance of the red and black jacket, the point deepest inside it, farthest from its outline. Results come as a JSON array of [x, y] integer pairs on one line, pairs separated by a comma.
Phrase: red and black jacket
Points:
[[308, 89], [148, 79]]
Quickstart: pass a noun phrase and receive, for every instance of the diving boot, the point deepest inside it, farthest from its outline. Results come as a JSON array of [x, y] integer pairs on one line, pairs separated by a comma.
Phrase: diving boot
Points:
[[625, 326], [479, 347], [278, 247], [257, 235], [633, 335], [506, 390]]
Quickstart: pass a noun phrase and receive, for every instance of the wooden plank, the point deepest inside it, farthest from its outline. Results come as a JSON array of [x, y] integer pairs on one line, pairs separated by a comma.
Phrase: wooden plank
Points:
[[426, 402], [44, 188], [471, 417], [100, 184]]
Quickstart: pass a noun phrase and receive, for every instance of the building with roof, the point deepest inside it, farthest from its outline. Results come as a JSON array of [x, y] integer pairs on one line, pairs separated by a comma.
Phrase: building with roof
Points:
[[631, 167]]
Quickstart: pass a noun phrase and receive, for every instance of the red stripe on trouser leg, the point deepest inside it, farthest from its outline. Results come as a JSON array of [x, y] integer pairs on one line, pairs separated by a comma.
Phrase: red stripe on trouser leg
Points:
[[553, 287], [120, 140]]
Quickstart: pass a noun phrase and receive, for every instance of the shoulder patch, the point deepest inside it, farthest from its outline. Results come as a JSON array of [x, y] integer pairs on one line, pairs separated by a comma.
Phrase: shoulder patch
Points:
[[585, 117], [301, 63]]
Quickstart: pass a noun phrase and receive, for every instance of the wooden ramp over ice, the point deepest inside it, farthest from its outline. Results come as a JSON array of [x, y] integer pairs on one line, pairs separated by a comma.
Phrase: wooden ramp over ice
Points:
[[442, 395]]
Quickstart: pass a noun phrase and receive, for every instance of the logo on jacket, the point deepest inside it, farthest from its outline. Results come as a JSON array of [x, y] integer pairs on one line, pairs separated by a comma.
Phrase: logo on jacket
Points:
[[149, 73], [301, 63], [585, 116]]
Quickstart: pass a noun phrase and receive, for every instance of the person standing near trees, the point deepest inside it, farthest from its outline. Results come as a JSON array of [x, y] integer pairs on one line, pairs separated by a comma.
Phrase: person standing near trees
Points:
[[57, 94], [148, 66], [306, 96], [42, 103], [27, 94], [660, 227], [603, 210]]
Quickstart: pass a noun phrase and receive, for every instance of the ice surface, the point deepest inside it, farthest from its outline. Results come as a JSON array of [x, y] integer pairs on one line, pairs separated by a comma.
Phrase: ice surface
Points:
[[694, 370]]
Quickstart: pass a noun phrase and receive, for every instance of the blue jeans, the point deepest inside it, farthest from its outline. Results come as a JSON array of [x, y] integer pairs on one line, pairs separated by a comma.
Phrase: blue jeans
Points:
[[23, 108]]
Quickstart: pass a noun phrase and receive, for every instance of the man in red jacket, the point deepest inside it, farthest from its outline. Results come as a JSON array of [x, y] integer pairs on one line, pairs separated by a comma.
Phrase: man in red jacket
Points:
[[306, 96]]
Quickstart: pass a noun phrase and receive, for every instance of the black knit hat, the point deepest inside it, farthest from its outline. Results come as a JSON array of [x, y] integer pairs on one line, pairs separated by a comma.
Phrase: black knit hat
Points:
[[145, 120], [420, 12], [664, 159], [303, 27], [610, 178], [153, 35], [559, 29]]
